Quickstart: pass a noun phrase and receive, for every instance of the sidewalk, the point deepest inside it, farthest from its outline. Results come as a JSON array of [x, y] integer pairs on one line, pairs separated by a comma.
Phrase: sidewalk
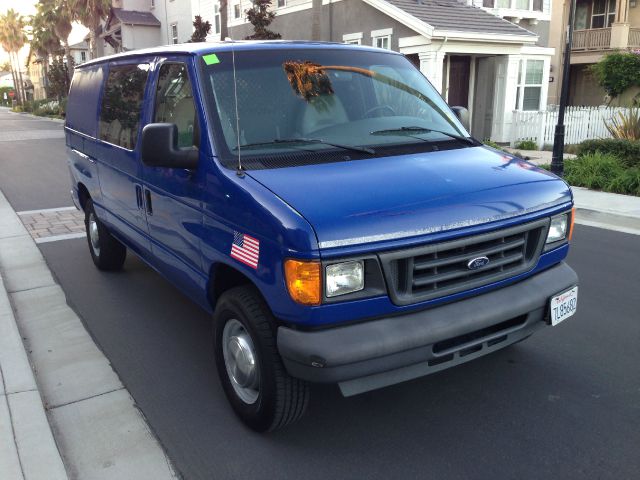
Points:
[[73, 419], [607, 210]]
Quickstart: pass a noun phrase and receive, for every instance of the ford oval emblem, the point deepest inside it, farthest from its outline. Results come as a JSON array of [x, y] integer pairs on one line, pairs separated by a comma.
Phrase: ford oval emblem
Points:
[[477, 263]]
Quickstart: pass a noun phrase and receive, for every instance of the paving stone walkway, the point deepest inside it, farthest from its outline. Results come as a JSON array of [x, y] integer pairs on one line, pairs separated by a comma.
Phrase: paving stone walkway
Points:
[[54, 224]]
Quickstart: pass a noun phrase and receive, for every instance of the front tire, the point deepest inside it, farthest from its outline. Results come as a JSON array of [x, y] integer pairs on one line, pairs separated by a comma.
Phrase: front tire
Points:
[[259, 389], [107, 253]]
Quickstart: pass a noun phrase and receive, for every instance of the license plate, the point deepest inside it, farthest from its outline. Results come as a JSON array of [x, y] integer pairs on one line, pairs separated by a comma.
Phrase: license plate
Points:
[[563, 305]]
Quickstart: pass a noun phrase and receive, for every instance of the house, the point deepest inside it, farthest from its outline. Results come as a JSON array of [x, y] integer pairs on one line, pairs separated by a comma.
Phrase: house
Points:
[[35, 67], [490, 56], [134, 24], [79, 52], [601, 27]]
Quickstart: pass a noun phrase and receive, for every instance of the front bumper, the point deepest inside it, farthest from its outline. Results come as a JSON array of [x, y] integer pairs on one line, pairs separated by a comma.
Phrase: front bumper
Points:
[[382, 352]]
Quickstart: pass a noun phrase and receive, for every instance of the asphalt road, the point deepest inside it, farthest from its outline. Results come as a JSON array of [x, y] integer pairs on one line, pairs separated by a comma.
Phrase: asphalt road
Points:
[[563, 404]]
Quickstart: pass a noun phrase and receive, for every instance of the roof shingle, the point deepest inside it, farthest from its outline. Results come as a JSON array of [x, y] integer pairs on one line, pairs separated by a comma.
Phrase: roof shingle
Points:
[[133, 17], [458, 16]]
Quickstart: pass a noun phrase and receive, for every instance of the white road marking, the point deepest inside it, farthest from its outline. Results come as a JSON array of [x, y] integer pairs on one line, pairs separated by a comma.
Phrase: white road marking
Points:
[[55, 238]]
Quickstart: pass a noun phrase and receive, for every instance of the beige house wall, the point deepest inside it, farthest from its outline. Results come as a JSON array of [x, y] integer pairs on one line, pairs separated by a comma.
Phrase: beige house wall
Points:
[[584, 90]]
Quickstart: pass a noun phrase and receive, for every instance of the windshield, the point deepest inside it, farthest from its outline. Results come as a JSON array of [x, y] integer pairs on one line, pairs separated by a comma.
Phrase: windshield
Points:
[[302, 106]]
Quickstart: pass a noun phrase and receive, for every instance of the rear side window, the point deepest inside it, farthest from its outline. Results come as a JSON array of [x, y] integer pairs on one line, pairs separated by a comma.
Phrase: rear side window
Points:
[[82, 106], [122, 104]]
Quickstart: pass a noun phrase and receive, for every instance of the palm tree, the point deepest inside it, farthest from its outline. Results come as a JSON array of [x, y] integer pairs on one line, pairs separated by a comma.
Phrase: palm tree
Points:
[[224, 19], [89, 13], [44, 41], [12, 39], [62, 27]]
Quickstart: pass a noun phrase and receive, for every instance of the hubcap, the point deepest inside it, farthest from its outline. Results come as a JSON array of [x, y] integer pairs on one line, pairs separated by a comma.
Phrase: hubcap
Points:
[[240, 361], [93, 234]]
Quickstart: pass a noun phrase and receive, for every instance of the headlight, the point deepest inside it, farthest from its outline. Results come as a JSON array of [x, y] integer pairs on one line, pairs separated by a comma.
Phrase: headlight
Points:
[[558, 228], [343, 278]]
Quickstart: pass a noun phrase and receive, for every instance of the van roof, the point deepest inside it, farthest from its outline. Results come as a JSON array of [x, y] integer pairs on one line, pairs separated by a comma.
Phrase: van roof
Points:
[[201, 48]]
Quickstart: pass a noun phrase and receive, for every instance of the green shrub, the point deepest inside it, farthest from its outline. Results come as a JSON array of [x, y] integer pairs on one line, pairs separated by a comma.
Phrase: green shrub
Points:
[[628, 182], [625, 125], [627, 151], [492, 144], [527, 145], [593, 170], [617, 71]]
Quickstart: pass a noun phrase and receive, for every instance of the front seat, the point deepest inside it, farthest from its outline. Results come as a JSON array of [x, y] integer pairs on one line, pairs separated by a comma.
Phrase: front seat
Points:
[[321, 112]]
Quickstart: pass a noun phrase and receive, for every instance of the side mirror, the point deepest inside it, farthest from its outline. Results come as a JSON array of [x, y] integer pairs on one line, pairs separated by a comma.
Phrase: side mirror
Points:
[[160, 148], [463, 115]]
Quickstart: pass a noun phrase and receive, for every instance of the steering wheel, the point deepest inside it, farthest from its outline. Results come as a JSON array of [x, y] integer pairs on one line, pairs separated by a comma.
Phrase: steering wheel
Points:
[[380, 108]]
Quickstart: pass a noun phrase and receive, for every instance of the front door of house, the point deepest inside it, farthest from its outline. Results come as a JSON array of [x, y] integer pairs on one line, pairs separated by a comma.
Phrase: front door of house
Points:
[[459, 74]]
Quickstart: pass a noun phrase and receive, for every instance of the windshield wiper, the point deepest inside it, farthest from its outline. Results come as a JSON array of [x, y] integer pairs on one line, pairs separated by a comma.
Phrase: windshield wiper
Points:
[[278, 141], [411, 131]]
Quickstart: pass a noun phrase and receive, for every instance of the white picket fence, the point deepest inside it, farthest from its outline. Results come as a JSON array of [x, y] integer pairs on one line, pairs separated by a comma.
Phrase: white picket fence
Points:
[[581, 123]]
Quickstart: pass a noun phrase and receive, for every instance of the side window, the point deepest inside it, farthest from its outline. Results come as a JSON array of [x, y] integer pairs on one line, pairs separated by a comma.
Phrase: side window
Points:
[[174, 102], [122, 104]]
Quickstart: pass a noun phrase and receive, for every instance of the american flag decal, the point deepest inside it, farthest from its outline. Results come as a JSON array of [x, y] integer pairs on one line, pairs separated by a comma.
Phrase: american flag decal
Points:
[[245, 249]]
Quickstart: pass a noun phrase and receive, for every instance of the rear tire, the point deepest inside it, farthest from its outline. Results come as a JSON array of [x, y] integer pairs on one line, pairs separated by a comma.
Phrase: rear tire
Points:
[[107, 253], [255, 381]]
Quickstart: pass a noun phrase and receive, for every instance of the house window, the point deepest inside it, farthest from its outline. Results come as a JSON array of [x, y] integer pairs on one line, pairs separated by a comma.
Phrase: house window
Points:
[[604, 13], [533, 5], [352, 38], [153, 3], [83, 56], [282, 3], [174, 33], [216, 18], [382, 38], [236, 10], [529, 84], [382, 42]]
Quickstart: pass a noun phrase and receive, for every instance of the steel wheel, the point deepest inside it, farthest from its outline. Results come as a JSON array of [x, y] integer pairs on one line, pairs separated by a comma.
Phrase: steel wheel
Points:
[[240, 360], [94, 235]]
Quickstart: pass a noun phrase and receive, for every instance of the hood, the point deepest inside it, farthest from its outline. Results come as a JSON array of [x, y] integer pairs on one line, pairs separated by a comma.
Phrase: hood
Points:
[[395, 197]]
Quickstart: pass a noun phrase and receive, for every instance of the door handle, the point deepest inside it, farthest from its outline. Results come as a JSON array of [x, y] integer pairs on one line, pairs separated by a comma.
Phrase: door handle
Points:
[[147, 198], [139, 197]]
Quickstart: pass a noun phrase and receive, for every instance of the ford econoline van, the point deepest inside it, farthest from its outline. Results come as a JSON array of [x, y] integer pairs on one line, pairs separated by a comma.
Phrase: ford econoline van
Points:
[[324, 204]]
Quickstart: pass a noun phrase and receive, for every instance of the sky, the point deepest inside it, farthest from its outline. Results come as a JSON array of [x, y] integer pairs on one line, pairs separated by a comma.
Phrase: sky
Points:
[[28, 7]]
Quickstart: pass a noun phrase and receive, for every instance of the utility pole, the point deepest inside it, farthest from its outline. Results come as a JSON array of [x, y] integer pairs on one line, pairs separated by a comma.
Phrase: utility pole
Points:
[[557, 160]]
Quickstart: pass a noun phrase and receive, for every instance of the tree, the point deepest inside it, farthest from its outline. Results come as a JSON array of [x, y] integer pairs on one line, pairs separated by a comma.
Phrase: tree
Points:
[[261, 17], [90, 13], [12, 39], [44, 41], [617, 71], [58, 78], [200, 30], [62, 18], [224, 19]]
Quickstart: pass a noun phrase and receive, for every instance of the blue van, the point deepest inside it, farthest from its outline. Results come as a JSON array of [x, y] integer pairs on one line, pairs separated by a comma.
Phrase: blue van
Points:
[[324, 204]]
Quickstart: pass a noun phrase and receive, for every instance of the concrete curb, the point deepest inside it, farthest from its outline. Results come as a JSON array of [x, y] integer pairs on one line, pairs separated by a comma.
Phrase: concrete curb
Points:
[[97, 430], [38, 117], [611, 211]]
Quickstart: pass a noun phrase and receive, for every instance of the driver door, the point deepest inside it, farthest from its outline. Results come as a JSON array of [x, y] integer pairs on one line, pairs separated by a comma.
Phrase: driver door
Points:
[[172, 195]]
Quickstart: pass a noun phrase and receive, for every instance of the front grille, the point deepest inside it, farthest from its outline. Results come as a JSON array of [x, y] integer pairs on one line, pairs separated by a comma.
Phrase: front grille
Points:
[[441, 269]]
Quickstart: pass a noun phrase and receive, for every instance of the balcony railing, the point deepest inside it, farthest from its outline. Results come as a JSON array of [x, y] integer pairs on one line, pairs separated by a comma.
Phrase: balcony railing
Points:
[[634, 37], [592, 39]]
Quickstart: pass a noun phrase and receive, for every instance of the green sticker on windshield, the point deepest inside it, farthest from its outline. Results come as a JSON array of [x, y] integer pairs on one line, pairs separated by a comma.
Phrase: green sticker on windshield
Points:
[[211, 59]]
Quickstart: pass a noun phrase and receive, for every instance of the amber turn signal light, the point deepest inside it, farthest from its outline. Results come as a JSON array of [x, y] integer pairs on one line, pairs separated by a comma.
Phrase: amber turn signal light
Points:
[[571, 221], [303, 281]]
